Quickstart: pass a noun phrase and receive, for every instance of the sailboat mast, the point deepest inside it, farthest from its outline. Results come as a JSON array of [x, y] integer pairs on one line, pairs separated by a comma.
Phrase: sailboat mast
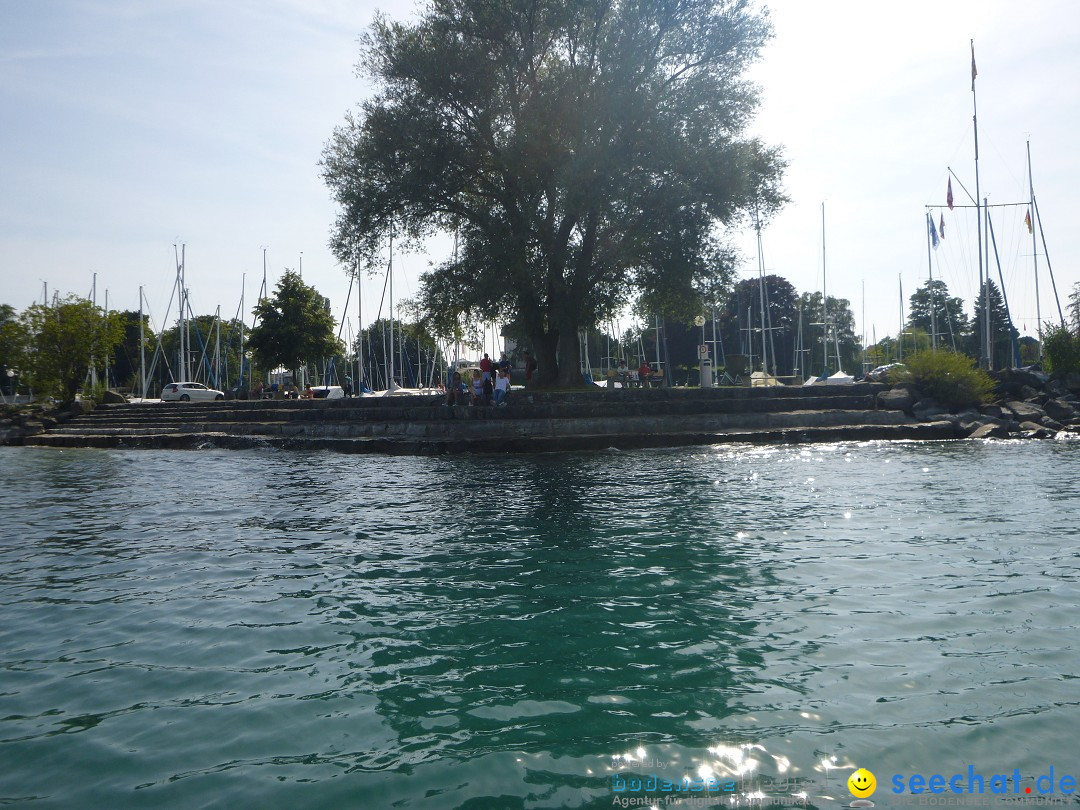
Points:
[[142, 349], [983, 278], [761, 295], [930, 266], [390, 273], [1034, 252], [824, 293]]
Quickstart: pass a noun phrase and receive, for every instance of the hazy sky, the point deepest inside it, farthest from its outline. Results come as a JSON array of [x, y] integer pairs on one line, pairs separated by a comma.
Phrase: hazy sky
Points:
[[130, 126]]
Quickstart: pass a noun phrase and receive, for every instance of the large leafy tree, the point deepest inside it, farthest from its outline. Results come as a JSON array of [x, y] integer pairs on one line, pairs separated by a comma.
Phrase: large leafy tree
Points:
[[585, 153], [742, 310], [295, 326], [930, 306], [61, 342], [840, 332]]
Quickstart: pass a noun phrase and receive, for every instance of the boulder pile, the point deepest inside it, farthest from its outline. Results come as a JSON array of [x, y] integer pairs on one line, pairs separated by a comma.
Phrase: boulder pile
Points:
[[1027, 404]]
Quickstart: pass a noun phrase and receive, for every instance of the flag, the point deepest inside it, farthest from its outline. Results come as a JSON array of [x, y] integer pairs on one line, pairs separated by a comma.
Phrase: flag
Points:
[[941, 227], [1027, 220], [974, 72], [948, 195], [933, 231]]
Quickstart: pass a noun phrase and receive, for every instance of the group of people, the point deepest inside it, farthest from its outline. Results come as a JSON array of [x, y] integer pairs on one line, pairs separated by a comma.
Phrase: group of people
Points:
[[622, 374], [487, 385]]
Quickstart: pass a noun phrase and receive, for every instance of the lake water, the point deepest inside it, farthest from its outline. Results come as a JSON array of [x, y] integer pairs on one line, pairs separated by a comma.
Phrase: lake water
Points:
[[274, 629]]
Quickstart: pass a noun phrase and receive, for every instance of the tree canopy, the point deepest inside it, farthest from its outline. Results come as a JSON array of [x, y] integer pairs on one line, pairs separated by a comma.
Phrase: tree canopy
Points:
[[295, 325], [585, 153], [930, 306], [61, 342]]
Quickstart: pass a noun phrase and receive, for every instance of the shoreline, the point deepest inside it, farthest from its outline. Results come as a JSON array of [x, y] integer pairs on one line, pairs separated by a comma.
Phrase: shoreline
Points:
[[544, 422]]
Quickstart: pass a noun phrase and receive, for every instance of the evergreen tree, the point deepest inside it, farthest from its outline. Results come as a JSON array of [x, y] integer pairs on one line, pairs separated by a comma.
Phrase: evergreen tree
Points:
[[1002, 337], [948, 313]]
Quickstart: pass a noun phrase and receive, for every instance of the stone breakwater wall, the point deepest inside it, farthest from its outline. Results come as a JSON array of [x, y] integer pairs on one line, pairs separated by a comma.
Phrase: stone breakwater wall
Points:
[[531, 422], [540, 422]]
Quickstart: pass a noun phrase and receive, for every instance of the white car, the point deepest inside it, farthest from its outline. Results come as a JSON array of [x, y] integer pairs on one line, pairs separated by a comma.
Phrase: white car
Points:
[[189, 392]]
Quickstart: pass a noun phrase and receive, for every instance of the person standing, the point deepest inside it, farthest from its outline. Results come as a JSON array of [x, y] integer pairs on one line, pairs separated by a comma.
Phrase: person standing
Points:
[[485, 367], [530, 367]]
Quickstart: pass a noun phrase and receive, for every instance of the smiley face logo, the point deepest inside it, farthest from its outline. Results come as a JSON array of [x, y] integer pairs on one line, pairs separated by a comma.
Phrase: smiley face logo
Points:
[[862, 783]]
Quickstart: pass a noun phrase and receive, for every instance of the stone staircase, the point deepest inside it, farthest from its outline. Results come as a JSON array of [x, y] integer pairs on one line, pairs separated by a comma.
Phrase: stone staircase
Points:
[[531, 422]]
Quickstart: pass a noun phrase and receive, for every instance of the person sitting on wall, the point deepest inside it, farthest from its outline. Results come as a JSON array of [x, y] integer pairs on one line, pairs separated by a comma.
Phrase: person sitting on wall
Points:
[[502, 387], [455, 393], [476, 388], [644, 372], [308, 393]]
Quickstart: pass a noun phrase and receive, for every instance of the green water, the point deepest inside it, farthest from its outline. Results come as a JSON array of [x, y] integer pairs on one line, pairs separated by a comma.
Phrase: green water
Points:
[[272, 629]]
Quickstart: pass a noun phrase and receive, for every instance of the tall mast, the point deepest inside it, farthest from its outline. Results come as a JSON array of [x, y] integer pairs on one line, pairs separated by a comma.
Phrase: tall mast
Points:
[[390, 272], [142, 349], [930, 265], [761, 294], [824, 293], [1034, 252], [243, 291], [983, 278]]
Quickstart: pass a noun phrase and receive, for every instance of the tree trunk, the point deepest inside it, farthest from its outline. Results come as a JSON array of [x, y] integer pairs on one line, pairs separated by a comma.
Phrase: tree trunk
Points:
[[569, 355], [544, 346]]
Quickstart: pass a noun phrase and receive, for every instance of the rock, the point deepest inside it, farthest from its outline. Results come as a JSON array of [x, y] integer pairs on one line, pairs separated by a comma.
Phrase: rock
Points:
[[1053, 424], [898, 399], [1056, 409], [1030, 426], [990, 432], [926, 410], [1037, 433], [1028, 393], [1025, 410], [1056, 388], [111, 397], [1072, 381], [1027, 376], [80, 406], [991, 410]]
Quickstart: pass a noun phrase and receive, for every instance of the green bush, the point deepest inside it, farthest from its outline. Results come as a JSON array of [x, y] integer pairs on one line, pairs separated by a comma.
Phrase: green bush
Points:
[[950, 378], [1061, 350]]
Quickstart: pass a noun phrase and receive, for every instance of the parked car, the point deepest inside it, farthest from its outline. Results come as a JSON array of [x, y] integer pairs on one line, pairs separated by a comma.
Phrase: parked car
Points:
[[328, 391], [189, 392]]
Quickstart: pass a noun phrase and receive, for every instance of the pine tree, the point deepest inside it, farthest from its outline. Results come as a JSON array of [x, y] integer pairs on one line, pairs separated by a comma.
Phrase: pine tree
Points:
[[1003, 336]]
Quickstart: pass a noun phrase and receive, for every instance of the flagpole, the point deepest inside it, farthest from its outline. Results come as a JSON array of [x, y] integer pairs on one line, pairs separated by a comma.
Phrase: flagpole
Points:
[[978, 219], [930, 265]]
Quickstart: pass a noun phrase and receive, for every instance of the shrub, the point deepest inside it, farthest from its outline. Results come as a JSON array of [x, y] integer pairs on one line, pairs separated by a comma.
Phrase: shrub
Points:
[[950, 378], [1061, 350]]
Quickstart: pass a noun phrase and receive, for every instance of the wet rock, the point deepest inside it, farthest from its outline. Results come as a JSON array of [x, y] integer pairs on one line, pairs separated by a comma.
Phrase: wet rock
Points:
[[898, 399], [1025, 410], [990, 432], [1053, 424], [926, 410], [1060, 410], [1028, 393]]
